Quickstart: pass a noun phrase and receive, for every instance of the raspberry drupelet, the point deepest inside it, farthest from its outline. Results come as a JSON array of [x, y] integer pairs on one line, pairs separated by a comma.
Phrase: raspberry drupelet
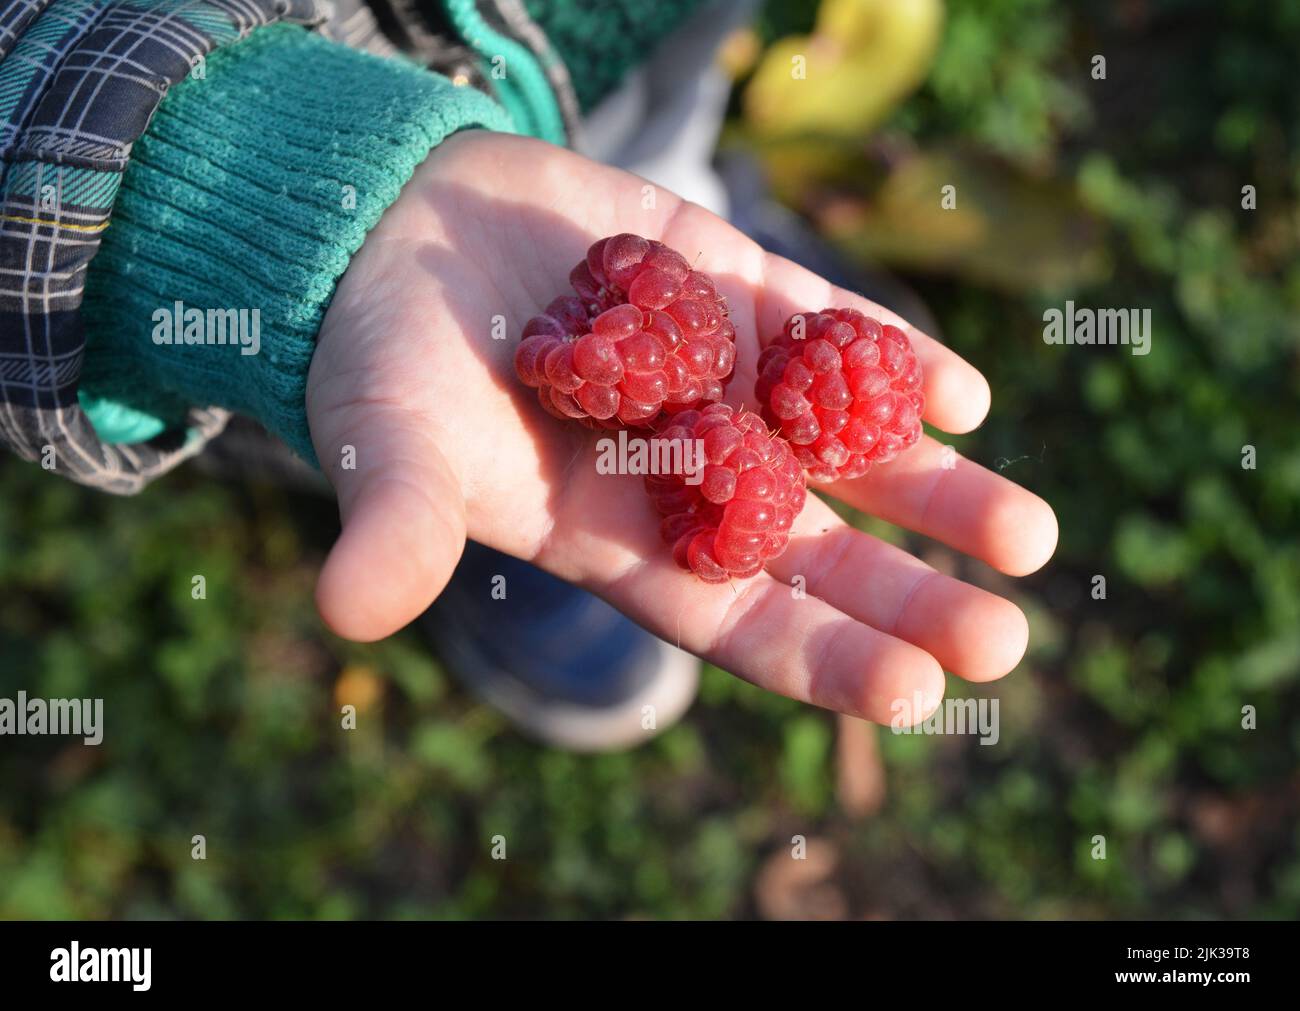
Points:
[[643, 337], [845, 390], [738, 517]]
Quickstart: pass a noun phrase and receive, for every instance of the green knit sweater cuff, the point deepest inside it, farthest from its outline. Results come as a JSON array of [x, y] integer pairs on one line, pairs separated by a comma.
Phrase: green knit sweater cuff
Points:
[[238, 214]]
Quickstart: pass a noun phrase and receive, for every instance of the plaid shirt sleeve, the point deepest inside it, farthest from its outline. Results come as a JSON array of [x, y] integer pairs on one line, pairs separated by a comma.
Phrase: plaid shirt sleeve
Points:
[[79, 82]]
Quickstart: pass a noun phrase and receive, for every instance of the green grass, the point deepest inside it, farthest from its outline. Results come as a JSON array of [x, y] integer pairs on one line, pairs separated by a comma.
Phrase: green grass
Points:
[[1125, 722]]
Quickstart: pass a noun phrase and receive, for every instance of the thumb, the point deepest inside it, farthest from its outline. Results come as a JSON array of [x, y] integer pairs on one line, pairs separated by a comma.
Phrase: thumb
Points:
[[403, 523]]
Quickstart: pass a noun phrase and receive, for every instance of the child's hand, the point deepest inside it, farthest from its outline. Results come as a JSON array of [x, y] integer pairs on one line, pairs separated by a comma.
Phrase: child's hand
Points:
[[448, 443]]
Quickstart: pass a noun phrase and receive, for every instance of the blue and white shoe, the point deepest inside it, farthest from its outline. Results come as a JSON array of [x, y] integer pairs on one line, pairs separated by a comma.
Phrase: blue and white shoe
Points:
[[561, 664]]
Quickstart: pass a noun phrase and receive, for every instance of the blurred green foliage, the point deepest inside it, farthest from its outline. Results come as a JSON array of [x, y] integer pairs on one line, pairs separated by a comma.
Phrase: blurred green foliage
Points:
[[1125, 721]]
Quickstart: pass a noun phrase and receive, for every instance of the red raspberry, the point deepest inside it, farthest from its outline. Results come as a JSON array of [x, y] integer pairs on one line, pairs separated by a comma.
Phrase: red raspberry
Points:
[[846, 393], [739, 515], [644, 336]]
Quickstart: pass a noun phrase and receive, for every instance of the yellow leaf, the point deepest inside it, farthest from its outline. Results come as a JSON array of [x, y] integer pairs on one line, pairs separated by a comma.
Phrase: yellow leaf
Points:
[[357, 686], [1006, 230], [738, 52], [863, 57]]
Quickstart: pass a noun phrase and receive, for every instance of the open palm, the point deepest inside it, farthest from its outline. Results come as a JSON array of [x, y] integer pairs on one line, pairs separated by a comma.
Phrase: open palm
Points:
[[412, 385]]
